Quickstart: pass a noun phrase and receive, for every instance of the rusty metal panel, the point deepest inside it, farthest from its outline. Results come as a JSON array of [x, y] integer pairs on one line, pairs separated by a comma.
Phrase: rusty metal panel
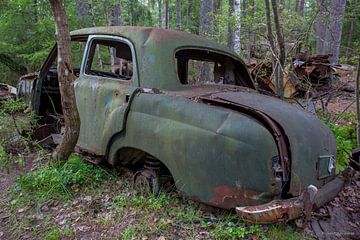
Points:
[[213, 154]]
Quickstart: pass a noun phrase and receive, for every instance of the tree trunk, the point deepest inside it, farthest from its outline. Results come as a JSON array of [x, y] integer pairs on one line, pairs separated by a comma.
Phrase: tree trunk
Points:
[[296, 5], [231, 32], [206, 29], [116, 20], [81, 10], [206, 17], [301, 7], [321, 23], [270, 35], [101, 66], [335, 28], [160, 20], [178, 12], [251, 31], [351, 31], [188, 12], [281, 45], [167, 14], [218, 7], [66, 82], [237, 39]]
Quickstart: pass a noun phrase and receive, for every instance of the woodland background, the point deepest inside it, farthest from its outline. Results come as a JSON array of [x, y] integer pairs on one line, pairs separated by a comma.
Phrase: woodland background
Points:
[[321, 26]]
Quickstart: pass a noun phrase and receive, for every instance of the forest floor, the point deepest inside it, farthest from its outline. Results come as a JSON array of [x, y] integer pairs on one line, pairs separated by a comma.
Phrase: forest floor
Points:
[[79, 200]]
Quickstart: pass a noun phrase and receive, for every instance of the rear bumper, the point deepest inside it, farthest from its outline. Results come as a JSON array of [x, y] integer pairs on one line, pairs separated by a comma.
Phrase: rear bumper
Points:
[[289, 209]]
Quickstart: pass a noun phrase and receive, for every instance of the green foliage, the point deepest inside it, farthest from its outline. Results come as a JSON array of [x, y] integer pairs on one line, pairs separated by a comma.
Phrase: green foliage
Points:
[[282, 232], [12, 106], [346, 141], [60, 181], [343, 126], [13, 123], [57, 234]]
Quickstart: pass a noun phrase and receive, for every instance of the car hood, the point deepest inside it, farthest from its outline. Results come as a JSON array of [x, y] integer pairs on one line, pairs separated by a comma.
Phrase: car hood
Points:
[[308, 138]]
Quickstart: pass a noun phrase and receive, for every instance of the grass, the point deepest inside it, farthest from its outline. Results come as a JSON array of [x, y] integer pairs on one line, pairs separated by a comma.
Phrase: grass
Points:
[[108, 203], [60, 181]]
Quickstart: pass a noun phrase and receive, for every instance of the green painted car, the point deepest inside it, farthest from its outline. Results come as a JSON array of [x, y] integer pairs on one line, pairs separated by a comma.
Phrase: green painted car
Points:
[[168, 103]]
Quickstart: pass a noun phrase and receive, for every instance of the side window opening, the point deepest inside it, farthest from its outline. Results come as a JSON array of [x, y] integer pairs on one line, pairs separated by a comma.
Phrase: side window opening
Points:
[[197, 67], [109, 58]]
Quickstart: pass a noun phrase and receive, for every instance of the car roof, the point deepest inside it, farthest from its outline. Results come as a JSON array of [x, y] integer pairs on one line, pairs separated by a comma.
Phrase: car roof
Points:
[[143, 35], [155, 51]]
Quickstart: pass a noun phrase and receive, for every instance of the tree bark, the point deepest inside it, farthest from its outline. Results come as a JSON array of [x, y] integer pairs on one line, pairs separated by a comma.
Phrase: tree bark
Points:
[[231, 32], [66, 82], [321, 23], [335, 28], [160, 20], [206, 17], [357, 92], [206, 29], [237, 35], [281, 45], [167, 14], [270, 35], [116, 20], [101, 66], [188, 12], [296, 5], [301, 7], [351, 31], [218, 7], [81, 10], [178, 12]]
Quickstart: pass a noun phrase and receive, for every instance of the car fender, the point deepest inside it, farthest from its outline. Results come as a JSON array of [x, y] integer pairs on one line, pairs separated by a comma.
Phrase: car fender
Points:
[[207, 162]]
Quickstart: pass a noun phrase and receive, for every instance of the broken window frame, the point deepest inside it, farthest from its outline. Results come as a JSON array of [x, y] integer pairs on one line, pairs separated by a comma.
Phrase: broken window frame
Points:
[[87, 58], [238, 66]]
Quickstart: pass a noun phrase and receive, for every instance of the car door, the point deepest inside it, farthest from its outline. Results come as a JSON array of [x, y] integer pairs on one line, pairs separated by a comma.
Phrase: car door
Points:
[[107, 75]]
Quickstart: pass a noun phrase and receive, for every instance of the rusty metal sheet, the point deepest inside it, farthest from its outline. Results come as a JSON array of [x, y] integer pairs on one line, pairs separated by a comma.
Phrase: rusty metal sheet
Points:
[[7, 91]]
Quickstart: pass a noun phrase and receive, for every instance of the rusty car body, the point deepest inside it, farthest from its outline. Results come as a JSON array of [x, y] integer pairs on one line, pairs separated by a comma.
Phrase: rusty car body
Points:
[[223, 142]]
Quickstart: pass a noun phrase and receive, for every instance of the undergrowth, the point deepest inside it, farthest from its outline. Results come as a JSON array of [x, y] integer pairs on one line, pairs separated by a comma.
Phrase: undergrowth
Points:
[[343, 126], [59, 181], [15, 131]]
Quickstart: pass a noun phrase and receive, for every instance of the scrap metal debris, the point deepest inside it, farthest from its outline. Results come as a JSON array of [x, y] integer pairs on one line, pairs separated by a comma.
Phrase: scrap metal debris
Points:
[[314, 71], [7, 91], [26, 83], [308, 73]]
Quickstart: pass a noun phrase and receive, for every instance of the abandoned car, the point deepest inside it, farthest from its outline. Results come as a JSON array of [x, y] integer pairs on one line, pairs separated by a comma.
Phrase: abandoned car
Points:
[[163, 103]]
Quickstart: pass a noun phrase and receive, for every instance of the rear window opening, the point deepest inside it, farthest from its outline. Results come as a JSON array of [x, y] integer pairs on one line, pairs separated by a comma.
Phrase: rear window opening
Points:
[[197, 67]]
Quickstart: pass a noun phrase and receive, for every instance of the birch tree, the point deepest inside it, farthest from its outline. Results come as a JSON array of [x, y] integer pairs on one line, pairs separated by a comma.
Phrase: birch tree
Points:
[[237, 37]]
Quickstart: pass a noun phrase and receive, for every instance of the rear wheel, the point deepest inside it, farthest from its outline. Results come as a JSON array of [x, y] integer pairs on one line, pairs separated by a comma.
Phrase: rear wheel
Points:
[[146, 182]]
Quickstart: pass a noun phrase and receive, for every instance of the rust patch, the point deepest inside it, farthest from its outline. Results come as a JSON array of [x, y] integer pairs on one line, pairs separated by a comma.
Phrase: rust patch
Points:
[[7, 91], [275, 211], [230, 197]]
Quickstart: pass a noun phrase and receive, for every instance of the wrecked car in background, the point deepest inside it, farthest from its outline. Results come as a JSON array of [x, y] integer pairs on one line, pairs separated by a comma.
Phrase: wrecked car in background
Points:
[[165, 103], [7, 91]]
